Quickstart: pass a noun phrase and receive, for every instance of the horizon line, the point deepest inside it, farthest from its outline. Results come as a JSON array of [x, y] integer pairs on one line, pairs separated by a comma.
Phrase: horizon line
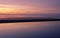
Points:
[[27, 20]]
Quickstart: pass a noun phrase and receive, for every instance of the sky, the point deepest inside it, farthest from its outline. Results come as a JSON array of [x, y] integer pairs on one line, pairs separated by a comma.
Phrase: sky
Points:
[[29, 6]]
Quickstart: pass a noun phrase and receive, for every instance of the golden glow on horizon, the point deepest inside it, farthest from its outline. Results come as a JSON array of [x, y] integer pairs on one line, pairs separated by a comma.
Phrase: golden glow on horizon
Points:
[[11, 9], [14, 9], [6, 10], [21, 9]]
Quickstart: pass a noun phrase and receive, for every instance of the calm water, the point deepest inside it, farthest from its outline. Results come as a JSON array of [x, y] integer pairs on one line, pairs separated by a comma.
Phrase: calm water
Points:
[[30, 30]]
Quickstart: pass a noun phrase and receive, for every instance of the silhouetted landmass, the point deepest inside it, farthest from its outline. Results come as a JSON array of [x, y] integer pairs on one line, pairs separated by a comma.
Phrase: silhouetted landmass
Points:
[[27, 19]]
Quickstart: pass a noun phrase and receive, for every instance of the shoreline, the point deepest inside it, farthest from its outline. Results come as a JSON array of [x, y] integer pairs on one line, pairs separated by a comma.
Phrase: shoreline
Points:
[[27, 20]]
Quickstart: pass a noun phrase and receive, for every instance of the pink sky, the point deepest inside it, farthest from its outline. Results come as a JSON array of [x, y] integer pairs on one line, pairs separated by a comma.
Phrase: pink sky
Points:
[[29, 6]]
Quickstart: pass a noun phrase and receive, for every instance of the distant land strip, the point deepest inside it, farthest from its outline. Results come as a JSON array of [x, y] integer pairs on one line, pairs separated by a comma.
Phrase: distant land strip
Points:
[[27, 20]]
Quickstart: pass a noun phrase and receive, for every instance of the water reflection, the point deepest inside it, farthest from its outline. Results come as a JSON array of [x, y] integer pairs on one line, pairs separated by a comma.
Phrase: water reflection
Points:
[[30, 30]]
